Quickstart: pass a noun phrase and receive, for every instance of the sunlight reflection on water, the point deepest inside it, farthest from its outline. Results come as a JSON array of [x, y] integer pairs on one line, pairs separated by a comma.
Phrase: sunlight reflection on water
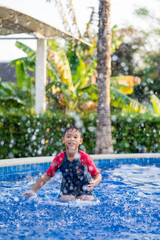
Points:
[[124, 208]]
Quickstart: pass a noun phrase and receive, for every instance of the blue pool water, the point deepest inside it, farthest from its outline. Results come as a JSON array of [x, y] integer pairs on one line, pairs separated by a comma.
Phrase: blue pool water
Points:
[[127, 206]]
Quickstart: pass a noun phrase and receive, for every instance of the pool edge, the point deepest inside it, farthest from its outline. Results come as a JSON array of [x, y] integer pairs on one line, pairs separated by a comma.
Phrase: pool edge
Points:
[[46, 159]]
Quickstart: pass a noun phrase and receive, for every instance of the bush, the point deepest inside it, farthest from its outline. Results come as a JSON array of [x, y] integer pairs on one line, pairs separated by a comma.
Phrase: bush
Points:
[[133, 132], [32, 135]]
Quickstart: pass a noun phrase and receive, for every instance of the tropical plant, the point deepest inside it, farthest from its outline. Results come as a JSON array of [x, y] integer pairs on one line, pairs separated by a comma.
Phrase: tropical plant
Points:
[[72, 75], [19, 96], [156, 104], [71, 72], [9, 102], [69, 79]]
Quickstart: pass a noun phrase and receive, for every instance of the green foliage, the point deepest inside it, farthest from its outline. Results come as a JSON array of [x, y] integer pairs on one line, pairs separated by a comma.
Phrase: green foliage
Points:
[[14, 99], [142, 12], [9, 101], [116, 40], [29, 61], [19, 96], [23, 79], [31, 135], [147, 47], [70, 75], [156, 104], [133, 131]]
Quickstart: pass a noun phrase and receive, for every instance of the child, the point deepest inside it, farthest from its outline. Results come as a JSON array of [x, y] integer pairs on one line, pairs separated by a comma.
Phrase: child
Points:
[[75, 166]]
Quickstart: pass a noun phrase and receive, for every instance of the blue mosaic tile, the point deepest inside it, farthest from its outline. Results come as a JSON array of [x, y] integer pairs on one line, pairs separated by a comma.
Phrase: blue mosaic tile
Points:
[[14, 169], [34, 169], [157, 164], [28, 167], [1, 170], [23, 167], [5, 170], [38, 167], [46, 166]]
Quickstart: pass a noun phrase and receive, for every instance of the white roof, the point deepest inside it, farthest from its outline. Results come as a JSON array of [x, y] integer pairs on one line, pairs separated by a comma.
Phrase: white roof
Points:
[[15, 22]]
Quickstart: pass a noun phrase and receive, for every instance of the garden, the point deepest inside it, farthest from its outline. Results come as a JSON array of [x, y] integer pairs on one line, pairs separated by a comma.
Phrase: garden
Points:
[[72, 94]]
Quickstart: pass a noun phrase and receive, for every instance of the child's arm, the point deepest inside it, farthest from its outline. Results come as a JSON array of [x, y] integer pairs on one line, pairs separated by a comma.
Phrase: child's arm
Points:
[[41, 181], [96, 181]]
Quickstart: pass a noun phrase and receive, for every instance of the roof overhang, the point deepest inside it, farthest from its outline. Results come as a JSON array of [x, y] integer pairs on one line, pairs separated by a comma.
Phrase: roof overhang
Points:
[[15, 22]]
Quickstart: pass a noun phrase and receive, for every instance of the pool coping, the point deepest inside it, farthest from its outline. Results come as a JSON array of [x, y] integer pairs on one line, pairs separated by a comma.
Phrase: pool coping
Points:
[[46, 159]]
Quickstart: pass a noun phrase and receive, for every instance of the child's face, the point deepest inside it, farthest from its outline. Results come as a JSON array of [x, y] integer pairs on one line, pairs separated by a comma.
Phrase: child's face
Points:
[[72, 139]]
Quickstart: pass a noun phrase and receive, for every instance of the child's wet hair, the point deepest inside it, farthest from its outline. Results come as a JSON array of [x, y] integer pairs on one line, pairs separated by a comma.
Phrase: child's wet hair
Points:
[[72, 128]]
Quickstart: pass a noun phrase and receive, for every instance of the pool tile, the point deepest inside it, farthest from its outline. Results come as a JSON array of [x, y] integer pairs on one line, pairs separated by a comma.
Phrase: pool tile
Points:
[[28, 167], [5, 170], [33, 169]]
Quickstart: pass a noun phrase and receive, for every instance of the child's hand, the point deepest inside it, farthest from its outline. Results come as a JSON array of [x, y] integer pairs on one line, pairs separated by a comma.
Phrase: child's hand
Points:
[[28, 193], [91, 185]]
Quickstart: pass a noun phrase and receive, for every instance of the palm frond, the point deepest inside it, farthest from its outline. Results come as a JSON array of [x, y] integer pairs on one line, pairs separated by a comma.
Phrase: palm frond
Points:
[[72, 13], [123, 89], [5, 89], [63, 15], [127, 80], [28, 62], [23, 79], [61, 65], [156, 104], [29, 51], [123, 101], [89, 24]]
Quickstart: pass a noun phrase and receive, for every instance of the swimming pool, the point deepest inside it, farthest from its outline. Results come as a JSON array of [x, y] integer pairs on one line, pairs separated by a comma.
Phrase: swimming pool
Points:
[[127, 204]]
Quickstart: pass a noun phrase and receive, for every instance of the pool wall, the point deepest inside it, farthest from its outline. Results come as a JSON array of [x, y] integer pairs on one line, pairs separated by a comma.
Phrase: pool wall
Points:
[[10, 167]]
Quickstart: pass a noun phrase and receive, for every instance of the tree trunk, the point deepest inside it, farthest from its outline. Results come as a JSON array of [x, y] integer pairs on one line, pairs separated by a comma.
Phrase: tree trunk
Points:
[[104, 134]]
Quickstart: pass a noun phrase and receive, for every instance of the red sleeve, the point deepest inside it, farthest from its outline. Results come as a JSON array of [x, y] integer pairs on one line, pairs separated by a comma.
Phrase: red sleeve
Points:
[[88, 162], [55, 164]]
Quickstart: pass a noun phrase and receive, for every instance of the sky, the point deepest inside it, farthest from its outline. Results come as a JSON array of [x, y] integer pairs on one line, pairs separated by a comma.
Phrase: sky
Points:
[[122, 14]]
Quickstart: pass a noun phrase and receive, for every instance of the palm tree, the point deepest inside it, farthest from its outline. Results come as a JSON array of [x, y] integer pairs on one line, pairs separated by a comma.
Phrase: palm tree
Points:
[[104, 135]]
